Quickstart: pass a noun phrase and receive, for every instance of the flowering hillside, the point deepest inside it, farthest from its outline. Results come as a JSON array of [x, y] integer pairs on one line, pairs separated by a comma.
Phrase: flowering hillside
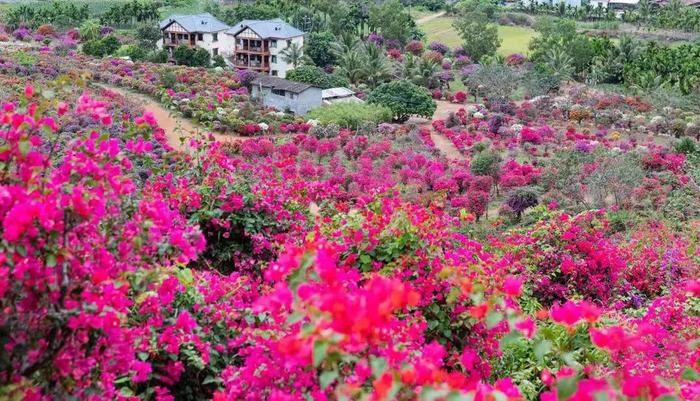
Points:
[[554, 262]]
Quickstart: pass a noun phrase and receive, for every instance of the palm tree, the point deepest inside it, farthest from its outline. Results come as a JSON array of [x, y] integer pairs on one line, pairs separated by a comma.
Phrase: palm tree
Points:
[[377, 67], [293, 54], [426, 74], [351, 66], [560, 63], [344, 44]]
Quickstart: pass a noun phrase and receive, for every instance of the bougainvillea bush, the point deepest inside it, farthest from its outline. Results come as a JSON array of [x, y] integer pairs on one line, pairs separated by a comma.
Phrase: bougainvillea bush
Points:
[[349, 267]]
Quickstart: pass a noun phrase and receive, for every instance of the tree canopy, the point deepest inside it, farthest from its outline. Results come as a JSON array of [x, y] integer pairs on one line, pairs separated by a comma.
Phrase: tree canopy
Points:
[[404, 99]]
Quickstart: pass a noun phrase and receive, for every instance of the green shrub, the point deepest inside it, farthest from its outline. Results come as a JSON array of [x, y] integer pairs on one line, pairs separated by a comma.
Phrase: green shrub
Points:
[[183, 55], [218, 61], [313, 75], [352, 115], [201, 58], [404, 99], [161, 56], [134, 52], [94, 48], [168, 79], [686, 146]]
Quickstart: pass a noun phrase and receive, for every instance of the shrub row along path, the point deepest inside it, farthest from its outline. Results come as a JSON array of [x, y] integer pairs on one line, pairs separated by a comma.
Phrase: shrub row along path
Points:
[[176, 128]]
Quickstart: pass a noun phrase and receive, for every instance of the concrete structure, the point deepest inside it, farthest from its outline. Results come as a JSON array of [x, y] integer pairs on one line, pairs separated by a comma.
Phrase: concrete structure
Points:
[[259, 44], [286, 95], [338, 95], [201, 30]]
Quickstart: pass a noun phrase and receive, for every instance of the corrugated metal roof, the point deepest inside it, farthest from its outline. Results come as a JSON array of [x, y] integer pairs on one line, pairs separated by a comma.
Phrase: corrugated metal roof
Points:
[[196, 23], [336, 92], [267, 81], [272, 28]]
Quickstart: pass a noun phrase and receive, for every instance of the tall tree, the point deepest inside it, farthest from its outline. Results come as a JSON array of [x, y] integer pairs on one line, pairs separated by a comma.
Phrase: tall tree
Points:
[[479, 36], [319, 48], [392, 20]]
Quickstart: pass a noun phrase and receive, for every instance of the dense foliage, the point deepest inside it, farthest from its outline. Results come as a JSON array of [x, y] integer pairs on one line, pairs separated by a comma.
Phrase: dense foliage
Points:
[[404, 99], [539, 239]]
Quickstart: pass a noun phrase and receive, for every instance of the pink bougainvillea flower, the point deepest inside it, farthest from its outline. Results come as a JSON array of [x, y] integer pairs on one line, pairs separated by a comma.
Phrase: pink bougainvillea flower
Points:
[[527, 326], [512, 286]]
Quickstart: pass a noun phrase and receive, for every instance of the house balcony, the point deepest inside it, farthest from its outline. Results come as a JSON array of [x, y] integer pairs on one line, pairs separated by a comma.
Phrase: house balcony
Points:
[[252, 50], [252, 65], [177, 43]]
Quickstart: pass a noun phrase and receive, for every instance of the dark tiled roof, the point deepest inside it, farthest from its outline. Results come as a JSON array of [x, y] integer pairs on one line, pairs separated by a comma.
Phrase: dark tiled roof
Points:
[[196, 23], [272, 28], [267, 81]]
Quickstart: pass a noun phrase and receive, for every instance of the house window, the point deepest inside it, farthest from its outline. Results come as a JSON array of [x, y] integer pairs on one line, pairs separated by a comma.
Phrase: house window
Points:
[[215, 51], [200, 36], [273, 59], [278, 92], [215, 37], [273, 73], [292, 95], [273, 44]]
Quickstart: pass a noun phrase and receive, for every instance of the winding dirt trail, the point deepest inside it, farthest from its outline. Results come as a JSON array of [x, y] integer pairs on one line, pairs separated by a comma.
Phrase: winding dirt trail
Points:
[[177, 129], [442, 143], [429, 17]]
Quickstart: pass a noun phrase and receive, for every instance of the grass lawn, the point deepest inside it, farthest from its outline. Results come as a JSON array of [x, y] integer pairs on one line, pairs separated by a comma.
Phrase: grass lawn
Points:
[[514, 38]]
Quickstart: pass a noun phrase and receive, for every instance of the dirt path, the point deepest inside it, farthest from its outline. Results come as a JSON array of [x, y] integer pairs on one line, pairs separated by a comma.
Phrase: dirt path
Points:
[[429, 18], [177, 129], [442, 143]]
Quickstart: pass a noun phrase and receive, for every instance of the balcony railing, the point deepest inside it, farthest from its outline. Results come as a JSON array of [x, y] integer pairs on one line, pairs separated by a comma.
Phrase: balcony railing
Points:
[[252, 64], [169, 42], [252, 49]]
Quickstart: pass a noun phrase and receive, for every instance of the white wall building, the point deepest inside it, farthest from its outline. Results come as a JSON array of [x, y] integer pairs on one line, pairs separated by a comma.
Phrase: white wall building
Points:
[[201, 30], [258, 45]]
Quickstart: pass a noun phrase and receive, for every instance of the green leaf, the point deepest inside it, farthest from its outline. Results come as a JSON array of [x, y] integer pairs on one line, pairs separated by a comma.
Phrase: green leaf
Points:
[[210, 379], [566, 387], [511, 338], [431, 394], [378, 366], [143, 355], [601, 396], [126, 392], [327, 378], [499, 396], [690, 374], [542, 348], [294, 317], [320, 352], [24, 146], [667, 397], [459, 396], [50, 260], [493, 318]]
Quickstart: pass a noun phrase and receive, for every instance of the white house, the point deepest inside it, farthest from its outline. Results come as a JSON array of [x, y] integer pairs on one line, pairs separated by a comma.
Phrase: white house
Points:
[[201, 30], [259, 44], [287, 96]]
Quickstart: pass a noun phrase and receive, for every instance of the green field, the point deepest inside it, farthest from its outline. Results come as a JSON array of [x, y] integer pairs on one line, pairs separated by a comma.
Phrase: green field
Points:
[[515, 39]]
